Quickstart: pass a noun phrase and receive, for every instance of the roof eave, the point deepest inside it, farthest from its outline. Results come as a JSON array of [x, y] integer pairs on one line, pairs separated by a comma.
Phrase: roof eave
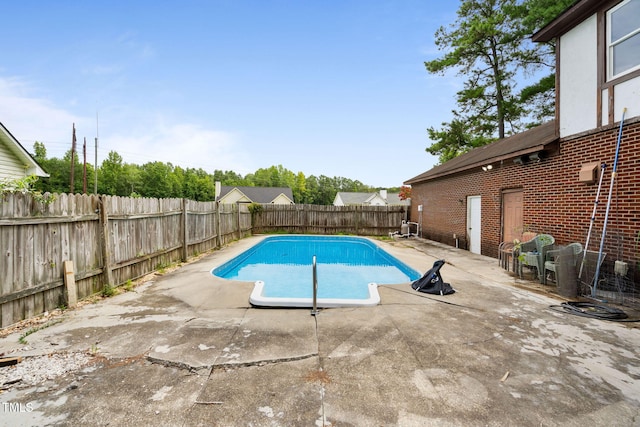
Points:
[[572, 16], [479, 164], [23, 155]]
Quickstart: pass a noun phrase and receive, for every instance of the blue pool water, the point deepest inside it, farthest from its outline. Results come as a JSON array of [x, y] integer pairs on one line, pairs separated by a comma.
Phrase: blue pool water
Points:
[[281, 266]]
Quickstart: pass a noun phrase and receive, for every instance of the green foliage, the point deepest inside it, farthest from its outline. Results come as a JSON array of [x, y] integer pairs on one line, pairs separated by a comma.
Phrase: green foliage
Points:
[[489, 44], [22, 340], [255, 208], [484, 45], [108, 291], [540, 99], [20, 185], [26, 185], [455, 138], [164, 180]]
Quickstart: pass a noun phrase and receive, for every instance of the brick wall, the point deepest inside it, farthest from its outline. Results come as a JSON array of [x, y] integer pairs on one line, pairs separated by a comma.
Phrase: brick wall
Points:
[[555, 201]]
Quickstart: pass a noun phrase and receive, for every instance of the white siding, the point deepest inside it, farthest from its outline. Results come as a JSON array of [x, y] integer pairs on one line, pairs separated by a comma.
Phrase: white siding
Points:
[[578, 79], [377, 201], [234, 196], [282, 200], [605, 107], [10, 165], [627, 95]]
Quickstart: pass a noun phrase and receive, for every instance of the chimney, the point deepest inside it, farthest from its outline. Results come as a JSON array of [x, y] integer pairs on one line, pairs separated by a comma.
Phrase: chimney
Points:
[[218, 189]]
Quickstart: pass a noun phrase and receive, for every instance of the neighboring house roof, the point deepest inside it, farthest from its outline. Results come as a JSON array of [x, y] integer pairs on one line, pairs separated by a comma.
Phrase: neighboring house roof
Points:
[[355, 198], [280, 195], [531, 141], [394, 199], [15, 161], [348, 198], [572, 16]]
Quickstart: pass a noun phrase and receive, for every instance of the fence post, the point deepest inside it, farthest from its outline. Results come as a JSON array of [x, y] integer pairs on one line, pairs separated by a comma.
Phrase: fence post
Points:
[[305, 218], [185, 231], [237, 225], [217, 224], [104, 241]]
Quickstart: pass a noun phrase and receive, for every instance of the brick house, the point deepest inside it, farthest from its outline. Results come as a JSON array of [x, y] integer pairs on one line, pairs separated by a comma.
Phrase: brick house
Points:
[[545, 180]]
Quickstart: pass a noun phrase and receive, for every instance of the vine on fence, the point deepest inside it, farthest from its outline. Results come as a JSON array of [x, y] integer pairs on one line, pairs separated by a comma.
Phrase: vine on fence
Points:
[[255, 208], [25, 186]]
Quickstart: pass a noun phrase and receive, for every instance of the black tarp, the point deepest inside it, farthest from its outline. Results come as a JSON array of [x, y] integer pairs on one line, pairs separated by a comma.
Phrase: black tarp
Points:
[[431, 282]]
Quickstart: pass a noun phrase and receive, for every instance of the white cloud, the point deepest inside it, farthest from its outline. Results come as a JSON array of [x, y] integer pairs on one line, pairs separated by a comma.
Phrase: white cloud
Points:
[[30, 118], [139, 137], [182, 144]]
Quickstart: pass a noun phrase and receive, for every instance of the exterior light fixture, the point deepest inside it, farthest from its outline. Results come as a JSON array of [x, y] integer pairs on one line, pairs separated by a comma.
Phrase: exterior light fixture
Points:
[[487, 168]]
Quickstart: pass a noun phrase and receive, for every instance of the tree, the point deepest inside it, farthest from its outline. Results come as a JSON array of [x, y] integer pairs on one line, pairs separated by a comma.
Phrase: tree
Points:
[[405, 192], [40, 152], [299, 190], [158, 180], [326, 191], [197, 185], [490, 45], [163, 180], [484, 45], [539, 97], [456, 137], [110, 173], [229, 178]]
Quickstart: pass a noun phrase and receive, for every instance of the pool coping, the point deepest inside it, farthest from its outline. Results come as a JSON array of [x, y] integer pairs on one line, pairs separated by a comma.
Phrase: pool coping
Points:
[[257, 299]]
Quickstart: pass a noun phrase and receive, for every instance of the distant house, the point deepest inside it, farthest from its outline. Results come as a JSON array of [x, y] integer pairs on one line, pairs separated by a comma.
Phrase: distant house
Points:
[[263, 195], [15, 161], [380, 198]]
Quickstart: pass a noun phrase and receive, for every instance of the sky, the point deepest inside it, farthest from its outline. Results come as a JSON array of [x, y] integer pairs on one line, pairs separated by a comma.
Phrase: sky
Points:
[[322, 87]]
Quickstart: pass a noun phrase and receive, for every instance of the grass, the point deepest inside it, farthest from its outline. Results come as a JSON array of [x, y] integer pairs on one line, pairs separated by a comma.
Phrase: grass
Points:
[[23, 340], [108, 291]]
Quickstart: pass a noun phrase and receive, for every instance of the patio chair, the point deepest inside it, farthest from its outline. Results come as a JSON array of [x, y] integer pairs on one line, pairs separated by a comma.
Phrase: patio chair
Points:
[[507, 251], [505, 254], [554, 257], [532, 253]]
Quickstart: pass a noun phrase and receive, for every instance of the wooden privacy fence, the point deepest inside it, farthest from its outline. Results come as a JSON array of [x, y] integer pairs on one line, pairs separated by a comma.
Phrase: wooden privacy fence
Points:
[[109, 239], [322, 219]]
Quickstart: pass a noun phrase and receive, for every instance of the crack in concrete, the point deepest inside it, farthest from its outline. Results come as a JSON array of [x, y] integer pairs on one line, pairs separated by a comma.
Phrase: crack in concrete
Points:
[[215, 366], [180, 365], [263, 362]]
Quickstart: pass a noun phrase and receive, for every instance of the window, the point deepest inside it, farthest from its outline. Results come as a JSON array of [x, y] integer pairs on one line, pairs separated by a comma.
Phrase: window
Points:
[[623, 38]]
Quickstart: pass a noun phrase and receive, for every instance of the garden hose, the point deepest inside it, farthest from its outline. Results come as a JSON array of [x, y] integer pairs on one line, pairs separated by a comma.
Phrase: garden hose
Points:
[[595, 311]]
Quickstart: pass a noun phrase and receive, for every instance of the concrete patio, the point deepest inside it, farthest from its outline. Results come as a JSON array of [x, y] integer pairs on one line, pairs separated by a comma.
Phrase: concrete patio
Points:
[[187, 349]]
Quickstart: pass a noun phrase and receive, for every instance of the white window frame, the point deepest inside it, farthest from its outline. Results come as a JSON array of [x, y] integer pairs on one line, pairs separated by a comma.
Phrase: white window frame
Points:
[[612, 43]]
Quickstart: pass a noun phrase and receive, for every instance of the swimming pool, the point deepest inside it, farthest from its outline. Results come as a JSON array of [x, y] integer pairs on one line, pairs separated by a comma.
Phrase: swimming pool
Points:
[[348, 271]]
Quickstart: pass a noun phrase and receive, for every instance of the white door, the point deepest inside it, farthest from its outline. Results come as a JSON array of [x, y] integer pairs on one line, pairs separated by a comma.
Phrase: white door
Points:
[[474, 220]]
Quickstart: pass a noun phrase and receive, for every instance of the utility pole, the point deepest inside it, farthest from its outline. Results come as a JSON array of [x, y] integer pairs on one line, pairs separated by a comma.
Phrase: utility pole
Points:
[[95, 164], [73, 158], [84, 166]]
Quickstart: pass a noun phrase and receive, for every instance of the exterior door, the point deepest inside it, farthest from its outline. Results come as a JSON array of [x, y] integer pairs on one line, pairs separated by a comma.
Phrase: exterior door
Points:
[[474, 221], [512, 225]]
